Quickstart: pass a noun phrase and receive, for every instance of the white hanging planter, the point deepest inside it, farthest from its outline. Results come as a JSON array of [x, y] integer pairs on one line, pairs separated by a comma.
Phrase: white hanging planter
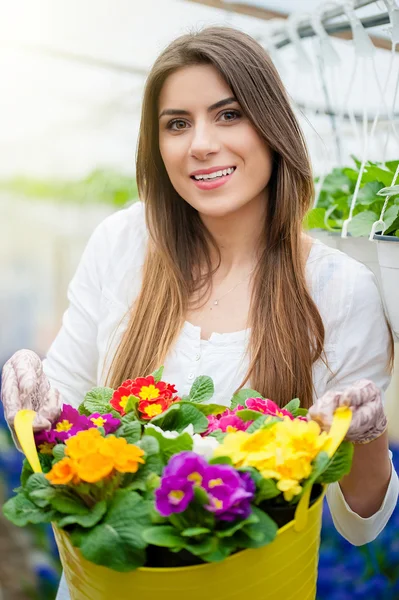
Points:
[[361, 249], [329, 238], [388, 258]]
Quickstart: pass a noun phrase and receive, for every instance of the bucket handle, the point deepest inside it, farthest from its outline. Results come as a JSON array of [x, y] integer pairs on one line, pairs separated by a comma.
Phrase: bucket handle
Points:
[[23, 425], [339, 427]]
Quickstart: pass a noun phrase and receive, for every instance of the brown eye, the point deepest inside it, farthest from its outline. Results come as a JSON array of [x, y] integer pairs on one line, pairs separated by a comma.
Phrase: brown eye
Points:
[[231, 115], [176, 125]]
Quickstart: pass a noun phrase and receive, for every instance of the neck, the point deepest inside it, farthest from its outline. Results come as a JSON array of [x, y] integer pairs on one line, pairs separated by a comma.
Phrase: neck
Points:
[[238, 235]]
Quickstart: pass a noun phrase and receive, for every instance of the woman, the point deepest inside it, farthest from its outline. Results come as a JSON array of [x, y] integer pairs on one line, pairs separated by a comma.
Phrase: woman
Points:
[[212, 274]]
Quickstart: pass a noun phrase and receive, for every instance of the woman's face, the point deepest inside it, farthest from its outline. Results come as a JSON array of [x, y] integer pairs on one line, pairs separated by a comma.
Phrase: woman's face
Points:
[[203, 131]]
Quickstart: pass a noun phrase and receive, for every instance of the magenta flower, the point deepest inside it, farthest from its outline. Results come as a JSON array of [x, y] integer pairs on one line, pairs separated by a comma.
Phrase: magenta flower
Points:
[[174, 495], [227, 421], [68, 424], [110, 423], [267, 407]]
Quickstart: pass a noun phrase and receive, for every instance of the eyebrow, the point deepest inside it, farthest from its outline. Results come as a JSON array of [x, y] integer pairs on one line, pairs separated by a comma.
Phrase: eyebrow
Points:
[[180, 111]]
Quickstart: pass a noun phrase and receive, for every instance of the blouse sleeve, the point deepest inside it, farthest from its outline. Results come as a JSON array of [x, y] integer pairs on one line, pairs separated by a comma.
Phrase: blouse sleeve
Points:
[[72, 361], [362, 352]]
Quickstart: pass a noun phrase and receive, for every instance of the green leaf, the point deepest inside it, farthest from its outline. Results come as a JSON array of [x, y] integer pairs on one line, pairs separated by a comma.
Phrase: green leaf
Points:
[[221, 460], [26, 472], [158, 374], [179, 416], [293, 405], [266, 489], [368, 193], [248, 415], [374, 173], [131, 432], [131, 404], [88, 519], [206, 409], [261, 533], [117, 542], [58, 452], [339, 465], [193, 531], [39, 490], [67, 503], [165, 536], [391, 214], [239, 397], [393, 227], [315, 219], [362, 223], [392, 165], [97, 400], [202, 389], [170, 446], [20, 510]]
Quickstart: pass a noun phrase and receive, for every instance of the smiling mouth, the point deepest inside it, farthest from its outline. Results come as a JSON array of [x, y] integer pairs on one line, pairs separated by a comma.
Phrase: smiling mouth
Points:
[[214, 176]]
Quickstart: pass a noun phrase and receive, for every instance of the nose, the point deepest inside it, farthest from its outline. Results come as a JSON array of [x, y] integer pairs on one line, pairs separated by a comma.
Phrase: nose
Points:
[[204, 142]]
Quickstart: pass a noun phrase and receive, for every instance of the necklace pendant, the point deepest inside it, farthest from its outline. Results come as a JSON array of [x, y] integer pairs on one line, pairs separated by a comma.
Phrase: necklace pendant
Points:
[[216, 302]]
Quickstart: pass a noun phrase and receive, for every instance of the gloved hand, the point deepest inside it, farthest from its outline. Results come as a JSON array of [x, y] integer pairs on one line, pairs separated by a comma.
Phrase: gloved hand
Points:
[[24, 385], [368, 417]]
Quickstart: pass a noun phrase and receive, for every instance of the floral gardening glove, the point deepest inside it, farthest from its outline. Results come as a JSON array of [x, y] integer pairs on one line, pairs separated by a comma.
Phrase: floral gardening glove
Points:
[[24, 385], [368, 417]]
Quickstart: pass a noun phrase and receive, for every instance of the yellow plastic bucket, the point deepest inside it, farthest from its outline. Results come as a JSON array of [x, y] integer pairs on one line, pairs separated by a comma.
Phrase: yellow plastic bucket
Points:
[[286, 569]]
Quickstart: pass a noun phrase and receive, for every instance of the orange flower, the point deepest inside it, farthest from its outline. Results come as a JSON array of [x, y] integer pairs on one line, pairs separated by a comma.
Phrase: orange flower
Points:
[[63, 472], [94, 467], [112, 446], [128, 460], [83, 443]]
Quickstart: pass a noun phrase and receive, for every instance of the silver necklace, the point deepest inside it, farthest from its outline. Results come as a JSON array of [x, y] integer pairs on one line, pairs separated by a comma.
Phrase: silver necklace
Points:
[[217, 300]]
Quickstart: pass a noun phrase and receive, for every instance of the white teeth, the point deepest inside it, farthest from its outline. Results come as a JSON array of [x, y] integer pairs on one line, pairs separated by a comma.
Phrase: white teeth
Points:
[[228, 171]]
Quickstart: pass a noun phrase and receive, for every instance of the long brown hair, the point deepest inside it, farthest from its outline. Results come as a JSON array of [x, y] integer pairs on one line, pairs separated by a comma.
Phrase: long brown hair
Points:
[[287, 333]]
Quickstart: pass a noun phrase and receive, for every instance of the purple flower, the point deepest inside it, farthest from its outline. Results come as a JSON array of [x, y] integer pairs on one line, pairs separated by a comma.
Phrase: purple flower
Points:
[[187, 465], [230, 492], [174, 495], [107, 421]]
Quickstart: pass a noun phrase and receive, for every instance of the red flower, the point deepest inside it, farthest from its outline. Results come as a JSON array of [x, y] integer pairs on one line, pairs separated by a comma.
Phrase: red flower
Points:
[[149, 409], [143, 388], [120, 398]]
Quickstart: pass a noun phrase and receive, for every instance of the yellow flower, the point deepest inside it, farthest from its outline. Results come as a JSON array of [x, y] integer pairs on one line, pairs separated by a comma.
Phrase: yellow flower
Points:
[[247, 449], [304, 438], [83, 443], [290, 488], [128, 461], [63, 472], [94, 467]]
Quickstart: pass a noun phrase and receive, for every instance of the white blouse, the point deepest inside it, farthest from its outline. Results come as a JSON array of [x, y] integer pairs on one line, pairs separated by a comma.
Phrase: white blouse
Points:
[[108, 279]]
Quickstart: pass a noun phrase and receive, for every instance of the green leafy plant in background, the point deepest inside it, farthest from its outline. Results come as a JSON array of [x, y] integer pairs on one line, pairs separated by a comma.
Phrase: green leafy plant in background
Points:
[[102, 186], [336, 197]]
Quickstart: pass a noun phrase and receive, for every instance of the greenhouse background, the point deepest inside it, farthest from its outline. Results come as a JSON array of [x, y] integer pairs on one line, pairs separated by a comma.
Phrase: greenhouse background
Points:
[[72, 75]]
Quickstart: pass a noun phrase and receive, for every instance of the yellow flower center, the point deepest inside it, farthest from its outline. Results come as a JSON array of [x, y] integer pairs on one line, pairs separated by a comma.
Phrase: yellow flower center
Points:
[[214, 482], [231, 429], [217, 503], [63, 426], [153, 409], [175, 497], [149, 392], [196, 477], [46, 448], [123, 402], [98, 421]]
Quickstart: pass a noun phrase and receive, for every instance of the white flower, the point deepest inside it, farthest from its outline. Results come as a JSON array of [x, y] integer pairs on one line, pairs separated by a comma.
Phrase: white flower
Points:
[[204, 446]]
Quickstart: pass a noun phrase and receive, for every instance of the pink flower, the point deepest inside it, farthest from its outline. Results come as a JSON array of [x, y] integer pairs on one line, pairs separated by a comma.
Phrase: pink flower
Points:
[[267, 407], [231, 423], [227, 422]]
